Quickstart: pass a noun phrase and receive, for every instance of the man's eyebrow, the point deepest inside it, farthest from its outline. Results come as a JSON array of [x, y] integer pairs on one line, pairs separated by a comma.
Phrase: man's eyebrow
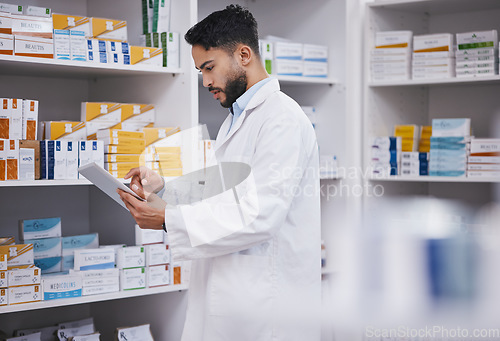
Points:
[[203, 65]]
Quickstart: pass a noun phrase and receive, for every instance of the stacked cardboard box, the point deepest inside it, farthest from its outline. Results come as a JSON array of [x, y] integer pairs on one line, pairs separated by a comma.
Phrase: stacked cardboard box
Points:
[[391, 57]]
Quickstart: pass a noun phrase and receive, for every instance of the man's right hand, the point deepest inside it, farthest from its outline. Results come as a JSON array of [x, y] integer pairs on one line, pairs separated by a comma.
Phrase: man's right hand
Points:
[[144, 181]]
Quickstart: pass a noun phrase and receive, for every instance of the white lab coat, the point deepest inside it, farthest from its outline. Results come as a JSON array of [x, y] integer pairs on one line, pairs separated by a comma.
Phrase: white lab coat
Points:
[[261, 281]]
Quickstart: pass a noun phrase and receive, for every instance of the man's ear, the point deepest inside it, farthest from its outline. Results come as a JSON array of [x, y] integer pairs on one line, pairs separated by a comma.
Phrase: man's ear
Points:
[[245, 55]]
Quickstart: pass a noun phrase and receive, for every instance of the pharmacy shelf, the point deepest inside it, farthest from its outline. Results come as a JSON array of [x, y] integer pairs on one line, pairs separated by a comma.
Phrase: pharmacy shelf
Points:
[[290, 80], [437, 82], [435, 179], [436, 6], [91, 299], [330, 178], [29, 66], [294, 80], [42, 183]]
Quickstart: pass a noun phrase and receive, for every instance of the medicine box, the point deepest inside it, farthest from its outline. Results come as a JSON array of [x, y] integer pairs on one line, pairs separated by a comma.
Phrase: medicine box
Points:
[[62, 49], [12, 9], [12, 159], [289, 67], [131, 279], [267, 55], [40, 228], [32, 26], [61, 286], [157, 254], [3, 262], [433, 43], [72, 160], [171, 47], [130, 257], [315, 69], [315, 53], [6, 42], [46, 247], [65, 130], [146, 56], [101, 281], [451, 127], [30, 337], [68, 333], [72, 22], [18, 254], [97, 152], [49, 265], [157, 276], [33, 47], [38, 11], [26, 164], [84, 153], [30, 119], [25, 294], [101, 112], [117, 47], [96, 274], [78, 45], [11, 119], [393, 39], [143, 113], [94, 259], [477, 40], [109, 29], [89, 337], [47, 333], [142, 332], [23, 275], [72, 243], [148, 236], [4, 279], [288, 50], [4, 296], [100, 289]]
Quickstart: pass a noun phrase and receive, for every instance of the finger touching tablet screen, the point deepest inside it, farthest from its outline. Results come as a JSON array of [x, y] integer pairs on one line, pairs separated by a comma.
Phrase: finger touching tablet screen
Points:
[[105, 182]]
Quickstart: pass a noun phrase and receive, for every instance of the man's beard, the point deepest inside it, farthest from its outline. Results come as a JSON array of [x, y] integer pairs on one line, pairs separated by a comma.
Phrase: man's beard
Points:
[[235, 87]]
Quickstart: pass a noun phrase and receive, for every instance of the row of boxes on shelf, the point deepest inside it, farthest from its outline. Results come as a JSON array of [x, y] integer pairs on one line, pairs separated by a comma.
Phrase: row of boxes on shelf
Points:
[[69, 37], [156, 16], [79, 330], [48, 266], [47, 159], [398, 55], [285, 58], [445, 149], [168, 42], [18, 119]]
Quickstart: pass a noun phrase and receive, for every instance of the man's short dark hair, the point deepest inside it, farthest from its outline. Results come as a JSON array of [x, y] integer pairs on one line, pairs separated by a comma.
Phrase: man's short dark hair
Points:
[[226, 29]]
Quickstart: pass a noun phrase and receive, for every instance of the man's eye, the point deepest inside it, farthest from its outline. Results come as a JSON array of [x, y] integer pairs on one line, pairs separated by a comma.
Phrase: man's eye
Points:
[[209, 68]]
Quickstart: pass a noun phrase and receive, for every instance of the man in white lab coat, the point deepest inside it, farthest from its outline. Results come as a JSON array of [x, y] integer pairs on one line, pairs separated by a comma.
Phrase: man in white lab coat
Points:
[[255, 244]]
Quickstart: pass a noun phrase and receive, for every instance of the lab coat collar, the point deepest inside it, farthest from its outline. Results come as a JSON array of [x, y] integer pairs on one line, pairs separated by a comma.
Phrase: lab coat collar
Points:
[[260, 96]]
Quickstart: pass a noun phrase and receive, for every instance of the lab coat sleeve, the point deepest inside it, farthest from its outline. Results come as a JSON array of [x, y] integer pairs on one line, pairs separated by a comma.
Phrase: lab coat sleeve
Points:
[[277, 168]]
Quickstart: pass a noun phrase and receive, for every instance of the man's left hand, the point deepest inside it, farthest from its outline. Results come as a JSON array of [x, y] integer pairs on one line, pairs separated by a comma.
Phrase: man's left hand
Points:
[[147, 214]]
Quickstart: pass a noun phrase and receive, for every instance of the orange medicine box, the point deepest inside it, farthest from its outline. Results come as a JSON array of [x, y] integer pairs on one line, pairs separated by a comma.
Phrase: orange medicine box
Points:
[[6, 43], [18, 254], [25, 294], [109, 29], [4, 297], [12, 160], [3, 159], [30, 119], [72, 23]]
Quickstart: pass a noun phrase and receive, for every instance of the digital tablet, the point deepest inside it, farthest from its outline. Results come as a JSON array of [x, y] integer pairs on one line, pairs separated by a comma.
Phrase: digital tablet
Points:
[[105, 182]]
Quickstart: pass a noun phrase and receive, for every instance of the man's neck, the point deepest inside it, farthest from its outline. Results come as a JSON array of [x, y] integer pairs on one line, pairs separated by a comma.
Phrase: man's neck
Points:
[[257, 77]]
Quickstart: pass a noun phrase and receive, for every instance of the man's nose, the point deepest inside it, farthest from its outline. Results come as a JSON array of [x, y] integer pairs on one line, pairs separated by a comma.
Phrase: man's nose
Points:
[[207, 81]]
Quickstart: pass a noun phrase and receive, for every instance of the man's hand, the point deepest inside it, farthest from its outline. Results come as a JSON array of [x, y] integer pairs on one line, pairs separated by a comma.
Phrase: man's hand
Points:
[[144, 181], [148, 215]]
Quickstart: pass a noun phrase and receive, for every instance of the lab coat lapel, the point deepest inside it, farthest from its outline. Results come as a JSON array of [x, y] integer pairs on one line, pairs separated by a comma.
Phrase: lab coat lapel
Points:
[[256, 100]]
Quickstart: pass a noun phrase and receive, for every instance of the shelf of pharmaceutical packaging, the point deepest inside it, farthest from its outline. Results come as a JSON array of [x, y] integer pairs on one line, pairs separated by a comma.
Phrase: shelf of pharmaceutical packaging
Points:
[[434, 179], [437, 82], [91, 299], [296, 80], [290, 80], [436, 6], [41, 183], [30, 66]]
